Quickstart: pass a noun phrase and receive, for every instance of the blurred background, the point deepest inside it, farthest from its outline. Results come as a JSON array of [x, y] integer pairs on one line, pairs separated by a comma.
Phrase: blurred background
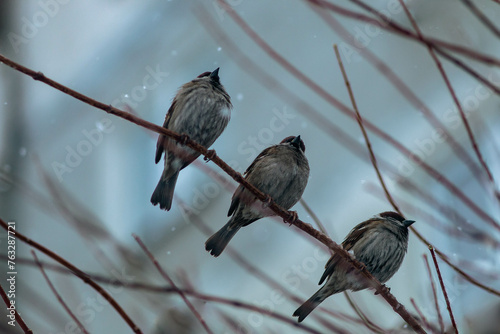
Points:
[[78, 181]]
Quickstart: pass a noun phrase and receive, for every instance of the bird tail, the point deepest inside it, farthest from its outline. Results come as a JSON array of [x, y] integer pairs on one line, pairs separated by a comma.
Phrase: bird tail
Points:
[[303, 311], [217, 242], [164, 192]]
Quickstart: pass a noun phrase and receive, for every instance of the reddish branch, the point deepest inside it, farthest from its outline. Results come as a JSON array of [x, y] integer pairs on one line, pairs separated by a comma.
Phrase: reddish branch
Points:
[[164, 274], [448, 305], [421, 315], [454, 96], [80, 274], [288, 216], [359, 119], [58, 296], [19, 320], [481, 17], [434, 294]]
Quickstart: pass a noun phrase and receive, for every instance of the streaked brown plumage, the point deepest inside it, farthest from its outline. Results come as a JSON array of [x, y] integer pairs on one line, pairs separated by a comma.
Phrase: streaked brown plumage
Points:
[[380, 243], [201, 109], [281, 171]]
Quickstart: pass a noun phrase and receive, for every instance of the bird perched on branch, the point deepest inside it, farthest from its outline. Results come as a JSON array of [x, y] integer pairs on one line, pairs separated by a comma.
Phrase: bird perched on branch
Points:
[[201, 110], [280, 171], [380, 243]]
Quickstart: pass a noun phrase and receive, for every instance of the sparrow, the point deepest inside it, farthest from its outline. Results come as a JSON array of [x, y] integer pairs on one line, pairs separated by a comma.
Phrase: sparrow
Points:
[[201, 109], [380, 243], [280, 171]]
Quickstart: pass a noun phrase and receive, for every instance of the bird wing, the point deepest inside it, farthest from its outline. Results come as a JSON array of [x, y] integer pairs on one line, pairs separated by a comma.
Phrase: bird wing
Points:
[[238, 194], [160, 144], [351, 239]]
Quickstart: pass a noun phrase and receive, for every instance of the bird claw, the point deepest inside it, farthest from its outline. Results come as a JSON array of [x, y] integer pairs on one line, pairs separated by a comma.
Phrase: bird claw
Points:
[[293, 219], [362, 266], [210, 155], [384, 289], [267, 202]]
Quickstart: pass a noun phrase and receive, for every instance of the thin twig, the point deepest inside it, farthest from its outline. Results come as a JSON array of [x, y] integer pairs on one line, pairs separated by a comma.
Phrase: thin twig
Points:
[[421, 315], [368, 323], [365, 135], [481, 17], [58, 296], [313, 215], [448, 305], [17, 316], [164, 274], [454, 96], [466, 276], [80, 274], [288, 216], [434, 293]]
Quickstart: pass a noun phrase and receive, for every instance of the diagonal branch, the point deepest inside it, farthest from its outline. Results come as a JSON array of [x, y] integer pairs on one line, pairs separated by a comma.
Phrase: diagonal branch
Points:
[[365, 135], [17, 316], [481, 17], [448, 305], [434, 294]]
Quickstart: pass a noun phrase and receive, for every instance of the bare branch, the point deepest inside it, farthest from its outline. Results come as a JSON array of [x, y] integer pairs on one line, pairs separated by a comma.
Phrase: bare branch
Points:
[[19, 320], [481, 17], [448, 305], [421, 315], [434, 293], [365, 135]]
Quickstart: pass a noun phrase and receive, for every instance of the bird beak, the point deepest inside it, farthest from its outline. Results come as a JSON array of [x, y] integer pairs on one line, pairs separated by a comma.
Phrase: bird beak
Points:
[[215, 74], [407, 223], [296, 141]]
